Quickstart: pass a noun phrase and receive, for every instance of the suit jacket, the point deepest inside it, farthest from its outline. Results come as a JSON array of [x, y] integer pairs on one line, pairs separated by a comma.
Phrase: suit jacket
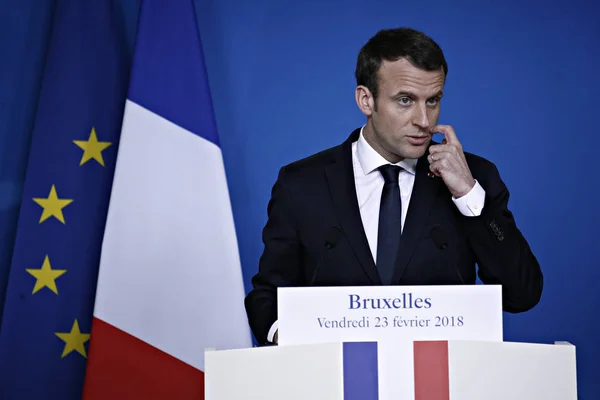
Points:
[[314, 236]]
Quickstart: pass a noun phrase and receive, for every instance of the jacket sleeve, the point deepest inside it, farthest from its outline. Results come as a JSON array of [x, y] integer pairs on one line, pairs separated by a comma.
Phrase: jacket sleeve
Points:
[[279, 264], [503, 255]]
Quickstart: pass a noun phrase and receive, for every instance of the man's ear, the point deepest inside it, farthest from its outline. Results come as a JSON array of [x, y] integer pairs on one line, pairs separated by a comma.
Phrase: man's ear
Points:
[[365, 100]]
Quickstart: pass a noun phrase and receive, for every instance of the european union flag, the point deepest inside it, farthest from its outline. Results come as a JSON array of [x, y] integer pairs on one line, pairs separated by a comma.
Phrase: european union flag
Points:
[[50, 297]]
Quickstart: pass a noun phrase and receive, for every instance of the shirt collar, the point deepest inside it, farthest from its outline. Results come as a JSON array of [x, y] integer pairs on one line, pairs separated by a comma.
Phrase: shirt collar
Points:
[[370, 159]]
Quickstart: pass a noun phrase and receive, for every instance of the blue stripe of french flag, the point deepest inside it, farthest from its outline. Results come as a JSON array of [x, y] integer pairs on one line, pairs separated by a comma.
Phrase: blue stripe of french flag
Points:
[[170, 282], [361, 371]]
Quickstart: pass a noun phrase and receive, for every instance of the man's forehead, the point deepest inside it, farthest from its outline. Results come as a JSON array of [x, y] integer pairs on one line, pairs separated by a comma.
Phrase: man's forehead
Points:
[[402, 74]]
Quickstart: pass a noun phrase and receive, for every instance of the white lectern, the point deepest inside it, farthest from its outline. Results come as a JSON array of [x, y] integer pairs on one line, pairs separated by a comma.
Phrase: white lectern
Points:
[[443, 370], [392, 343]]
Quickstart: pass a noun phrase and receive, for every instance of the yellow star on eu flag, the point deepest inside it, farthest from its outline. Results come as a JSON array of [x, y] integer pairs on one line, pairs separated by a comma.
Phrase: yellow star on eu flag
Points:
[[92, 148], [74, 340], [46, 276], [52, 206]]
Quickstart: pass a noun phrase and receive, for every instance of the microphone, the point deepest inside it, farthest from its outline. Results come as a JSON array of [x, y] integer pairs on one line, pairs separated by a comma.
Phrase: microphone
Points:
[[440, 240], [332, 237]]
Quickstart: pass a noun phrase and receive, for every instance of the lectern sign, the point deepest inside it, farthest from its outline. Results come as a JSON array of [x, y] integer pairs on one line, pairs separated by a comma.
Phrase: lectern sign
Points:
[[394, 316]]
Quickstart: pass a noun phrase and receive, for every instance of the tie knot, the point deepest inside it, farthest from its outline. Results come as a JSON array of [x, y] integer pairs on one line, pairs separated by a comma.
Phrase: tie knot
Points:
[[390, 173]]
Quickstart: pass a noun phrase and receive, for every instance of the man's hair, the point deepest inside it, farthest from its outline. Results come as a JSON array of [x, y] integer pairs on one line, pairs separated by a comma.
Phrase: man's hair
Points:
[[391, 45]]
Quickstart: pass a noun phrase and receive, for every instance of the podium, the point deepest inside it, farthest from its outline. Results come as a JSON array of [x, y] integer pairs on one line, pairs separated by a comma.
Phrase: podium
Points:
[[392, 343], [443, 370]]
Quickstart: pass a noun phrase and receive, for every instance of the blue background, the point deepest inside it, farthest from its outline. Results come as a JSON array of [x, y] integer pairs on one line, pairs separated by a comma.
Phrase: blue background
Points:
[[522, 91]]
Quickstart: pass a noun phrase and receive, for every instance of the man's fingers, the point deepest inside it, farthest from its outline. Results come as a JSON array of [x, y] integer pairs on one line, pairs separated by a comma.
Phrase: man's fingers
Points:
[[435, 148], [438, 156], [448, 132], [435, 168], [445, 148]]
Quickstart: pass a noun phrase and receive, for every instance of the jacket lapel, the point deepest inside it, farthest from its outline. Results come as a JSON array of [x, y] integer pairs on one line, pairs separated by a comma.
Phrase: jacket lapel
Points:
[[340, 176], [423, 196]]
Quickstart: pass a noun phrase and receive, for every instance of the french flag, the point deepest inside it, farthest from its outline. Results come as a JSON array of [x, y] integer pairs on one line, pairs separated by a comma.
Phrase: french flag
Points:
[[170, 282]]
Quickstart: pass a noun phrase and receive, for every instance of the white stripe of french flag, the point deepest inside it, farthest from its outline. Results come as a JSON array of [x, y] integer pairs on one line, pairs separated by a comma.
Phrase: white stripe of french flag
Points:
[[170, 282]]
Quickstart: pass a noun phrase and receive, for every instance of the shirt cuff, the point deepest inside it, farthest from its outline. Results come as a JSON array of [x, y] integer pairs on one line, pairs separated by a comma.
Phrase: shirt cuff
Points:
[[471, 204], [272, 331]]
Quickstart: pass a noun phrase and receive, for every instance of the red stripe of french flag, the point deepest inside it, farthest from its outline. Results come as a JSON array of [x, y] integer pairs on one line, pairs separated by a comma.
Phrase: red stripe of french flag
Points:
[[431, 370]]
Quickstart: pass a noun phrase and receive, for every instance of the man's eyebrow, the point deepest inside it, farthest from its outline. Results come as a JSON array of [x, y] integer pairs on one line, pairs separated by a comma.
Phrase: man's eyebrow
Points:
[[405, 93]]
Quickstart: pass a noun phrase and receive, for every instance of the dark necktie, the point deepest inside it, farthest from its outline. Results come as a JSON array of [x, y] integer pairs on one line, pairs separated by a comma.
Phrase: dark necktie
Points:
[[390, 223]]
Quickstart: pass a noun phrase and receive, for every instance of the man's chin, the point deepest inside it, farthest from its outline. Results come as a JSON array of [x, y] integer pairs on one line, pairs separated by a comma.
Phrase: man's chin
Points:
[[414, 152]]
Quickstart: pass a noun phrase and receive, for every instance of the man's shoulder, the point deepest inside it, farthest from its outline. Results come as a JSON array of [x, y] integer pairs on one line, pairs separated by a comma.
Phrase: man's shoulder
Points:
[[308, 174], [316, 160], [477, 161], [482, 168]]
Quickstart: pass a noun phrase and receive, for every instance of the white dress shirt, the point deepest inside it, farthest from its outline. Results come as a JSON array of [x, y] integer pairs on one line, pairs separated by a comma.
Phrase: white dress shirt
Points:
[[369, 186]]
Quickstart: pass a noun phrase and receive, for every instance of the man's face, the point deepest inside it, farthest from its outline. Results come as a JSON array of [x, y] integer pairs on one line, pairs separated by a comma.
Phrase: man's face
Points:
[[408, 105]]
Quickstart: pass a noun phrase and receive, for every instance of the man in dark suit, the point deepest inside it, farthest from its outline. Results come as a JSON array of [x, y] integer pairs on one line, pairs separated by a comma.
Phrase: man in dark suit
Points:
[[389, 206]]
